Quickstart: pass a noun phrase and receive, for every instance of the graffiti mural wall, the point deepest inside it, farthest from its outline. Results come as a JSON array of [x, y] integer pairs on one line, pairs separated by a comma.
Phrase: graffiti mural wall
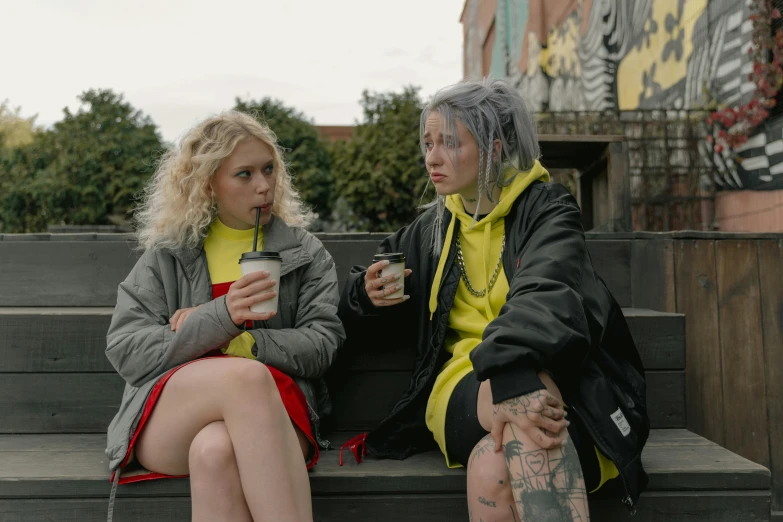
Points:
[[594, 55]]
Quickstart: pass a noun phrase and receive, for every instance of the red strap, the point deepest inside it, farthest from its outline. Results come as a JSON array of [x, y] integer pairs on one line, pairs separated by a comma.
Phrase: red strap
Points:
[[357, 446]]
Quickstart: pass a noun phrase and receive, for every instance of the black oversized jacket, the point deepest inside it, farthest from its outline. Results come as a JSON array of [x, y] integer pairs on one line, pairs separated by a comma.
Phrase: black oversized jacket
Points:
[[559, 316]]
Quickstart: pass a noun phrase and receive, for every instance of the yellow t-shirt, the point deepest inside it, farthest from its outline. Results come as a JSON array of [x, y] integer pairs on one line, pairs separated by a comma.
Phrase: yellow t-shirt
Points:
[[223, 247]]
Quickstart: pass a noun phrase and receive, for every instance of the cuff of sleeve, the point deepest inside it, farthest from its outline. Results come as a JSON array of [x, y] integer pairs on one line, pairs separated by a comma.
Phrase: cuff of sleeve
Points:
[[513, 383], [221, 308], [366, 305]]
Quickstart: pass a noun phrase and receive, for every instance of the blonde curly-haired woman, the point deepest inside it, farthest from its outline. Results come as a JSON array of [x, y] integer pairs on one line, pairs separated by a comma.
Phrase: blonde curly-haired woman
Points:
[[229, 397]]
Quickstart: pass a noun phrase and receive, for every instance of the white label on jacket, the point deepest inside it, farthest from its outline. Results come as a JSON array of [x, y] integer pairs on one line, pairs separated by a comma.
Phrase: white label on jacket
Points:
[[620, 422]]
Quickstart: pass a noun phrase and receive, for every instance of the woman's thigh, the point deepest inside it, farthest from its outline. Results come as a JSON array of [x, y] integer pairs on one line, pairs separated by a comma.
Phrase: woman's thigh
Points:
[[194, 397], [486, 408]]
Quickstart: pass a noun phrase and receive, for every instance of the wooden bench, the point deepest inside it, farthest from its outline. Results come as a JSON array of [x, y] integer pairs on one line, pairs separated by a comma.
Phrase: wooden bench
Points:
[[58, 394]]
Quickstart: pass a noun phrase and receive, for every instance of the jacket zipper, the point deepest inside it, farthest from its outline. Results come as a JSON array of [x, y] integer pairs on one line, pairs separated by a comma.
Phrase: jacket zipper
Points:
[[627, 500]]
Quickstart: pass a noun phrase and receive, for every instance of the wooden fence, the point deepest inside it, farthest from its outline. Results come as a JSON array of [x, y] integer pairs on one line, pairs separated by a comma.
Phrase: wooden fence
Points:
[[730, 288]]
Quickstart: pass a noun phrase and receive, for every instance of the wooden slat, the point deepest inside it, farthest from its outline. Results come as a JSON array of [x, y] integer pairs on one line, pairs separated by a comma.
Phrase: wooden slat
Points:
[[770, 272], [79, 273], [653, 507], [86, 402], [59, 402], [74, 340], [652, 276], [742, 350], [86, 273], [659, 337], [78, 468], [697, 298]]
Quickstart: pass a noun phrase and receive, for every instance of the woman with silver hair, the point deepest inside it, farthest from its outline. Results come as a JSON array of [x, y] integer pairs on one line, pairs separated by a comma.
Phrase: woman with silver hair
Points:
[[526, 372]]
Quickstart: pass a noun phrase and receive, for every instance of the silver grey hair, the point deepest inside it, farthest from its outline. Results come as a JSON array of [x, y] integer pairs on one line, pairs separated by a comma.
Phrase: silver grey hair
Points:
[[491, 110]]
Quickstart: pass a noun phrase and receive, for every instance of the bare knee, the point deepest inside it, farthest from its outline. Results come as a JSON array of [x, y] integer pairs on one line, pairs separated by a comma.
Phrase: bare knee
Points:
[[247, 374], [211, 453], [488, 479]]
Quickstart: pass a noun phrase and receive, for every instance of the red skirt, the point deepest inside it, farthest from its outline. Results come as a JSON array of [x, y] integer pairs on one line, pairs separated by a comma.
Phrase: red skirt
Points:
[[293, 400]]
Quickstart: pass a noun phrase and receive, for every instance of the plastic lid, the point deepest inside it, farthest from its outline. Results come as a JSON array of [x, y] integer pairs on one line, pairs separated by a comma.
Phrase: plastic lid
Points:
[[391, 258], [260, 256]]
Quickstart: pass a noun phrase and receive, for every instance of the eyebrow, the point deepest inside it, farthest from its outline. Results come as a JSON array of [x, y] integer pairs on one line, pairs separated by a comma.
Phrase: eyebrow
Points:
[[247, 167]]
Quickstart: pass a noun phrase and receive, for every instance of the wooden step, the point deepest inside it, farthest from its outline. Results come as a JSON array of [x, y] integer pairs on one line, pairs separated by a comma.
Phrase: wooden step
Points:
[[85, 269], [74, 340], [57, 379], [65, 477]]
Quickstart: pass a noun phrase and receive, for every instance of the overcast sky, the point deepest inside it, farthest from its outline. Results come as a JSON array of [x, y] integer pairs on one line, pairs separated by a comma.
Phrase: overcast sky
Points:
[[179, 61]]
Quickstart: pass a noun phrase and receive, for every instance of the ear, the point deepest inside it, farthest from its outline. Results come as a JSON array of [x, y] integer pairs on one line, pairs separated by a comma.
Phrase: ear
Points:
[[497, 148]]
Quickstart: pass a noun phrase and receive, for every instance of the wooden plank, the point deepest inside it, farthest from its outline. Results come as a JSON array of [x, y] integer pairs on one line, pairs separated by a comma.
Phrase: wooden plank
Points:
[[58, 402], [771, 273], [742, 350], [347, 253], [79, 273], [78, 468], [74, 339], [87, 272], [86, 402], [652, 277], [653, 507], [619, 185], [697, 298], [659, 337]]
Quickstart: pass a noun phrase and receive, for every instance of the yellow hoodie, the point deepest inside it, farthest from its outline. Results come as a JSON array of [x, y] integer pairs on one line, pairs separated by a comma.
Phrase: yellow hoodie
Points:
[[470, 315]]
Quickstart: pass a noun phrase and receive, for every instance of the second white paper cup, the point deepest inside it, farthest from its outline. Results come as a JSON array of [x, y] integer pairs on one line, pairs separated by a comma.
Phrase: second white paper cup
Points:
[[396, 266]]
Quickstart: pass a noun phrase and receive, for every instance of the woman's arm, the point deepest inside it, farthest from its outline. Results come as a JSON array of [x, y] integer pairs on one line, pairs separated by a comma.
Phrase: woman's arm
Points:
[[308, 349], [543, 324], [140, 342]]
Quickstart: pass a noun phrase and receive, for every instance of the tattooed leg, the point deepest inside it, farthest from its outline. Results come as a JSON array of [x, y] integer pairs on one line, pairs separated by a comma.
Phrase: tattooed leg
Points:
[[548, 485], [489, 490]]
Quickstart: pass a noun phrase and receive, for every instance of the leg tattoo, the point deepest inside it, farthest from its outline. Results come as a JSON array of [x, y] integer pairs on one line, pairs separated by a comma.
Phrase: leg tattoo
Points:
[[548, 485]]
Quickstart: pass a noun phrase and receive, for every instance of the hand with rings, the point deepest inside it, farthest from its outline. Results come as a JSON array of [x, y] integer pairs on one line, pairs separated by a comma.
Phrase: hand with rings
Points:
[[378, 287]]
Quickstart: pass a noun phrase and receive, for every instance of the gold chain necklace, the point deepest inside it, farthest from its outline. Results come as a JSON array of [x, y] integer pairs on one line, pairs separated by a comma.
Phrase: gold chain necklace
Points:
[[464, 273]]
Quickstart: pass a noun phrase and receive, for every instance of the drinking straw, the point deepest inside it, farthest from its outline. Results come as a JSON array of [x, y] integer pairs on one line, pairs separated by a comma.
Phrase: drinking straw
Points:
[[255, 235]]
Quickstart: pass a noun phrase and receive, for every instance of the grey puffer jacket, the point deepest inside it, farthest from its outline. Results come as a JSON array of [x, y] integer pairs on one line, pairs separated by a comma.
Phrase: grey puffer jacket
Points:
[[301, 340]]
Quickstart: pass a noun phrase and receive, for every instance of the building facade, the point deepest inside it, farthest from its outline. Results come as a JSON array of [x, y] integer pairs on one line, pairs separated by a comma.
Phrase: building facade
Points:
[[640, 56]]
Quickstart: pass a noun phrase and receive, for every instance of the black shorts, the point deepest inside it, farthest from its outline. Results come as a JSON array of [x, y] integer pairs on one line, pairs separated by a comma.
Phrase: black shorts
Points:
[[463, 431]]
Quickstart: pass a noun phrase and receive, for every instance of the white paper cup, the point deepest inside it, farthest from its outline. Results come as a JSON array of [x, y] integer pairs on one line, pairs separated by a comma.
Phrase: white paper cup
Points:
[[270, 261], [396, 266]]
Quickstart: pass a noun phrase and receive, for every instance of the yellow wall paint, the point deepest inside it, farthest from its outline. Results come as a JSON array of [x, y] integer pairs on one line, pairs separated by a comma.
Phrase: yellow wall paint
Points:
[[560, 56], [640, 60]]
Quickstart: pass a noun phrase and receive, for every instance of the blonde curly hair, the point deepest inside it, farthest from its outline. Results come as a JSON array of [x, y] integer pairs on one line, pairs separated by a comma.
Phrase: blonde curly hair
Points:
[[178, 206]]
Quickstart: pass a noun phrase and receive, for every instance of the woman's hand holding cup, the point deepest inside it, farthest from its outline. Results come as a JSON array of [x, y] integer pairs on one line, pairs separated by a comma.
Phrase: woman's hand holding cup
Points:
[[380, 286], [248, 290]]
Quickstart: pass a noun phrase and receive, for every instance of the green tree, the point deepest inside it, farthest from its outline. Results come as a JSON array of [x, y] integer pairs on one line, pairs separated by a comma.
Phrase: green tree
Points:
[[15, 130], [306, 155], [86, 170], [380, 173]]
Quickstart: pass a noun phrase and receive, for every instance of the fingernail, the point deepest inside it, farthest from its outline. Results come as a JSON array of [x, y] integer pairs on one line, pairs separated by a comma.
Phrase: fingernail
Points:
[[396, 276], [385, 263], [406, 297], [265, 273], [568, 423]]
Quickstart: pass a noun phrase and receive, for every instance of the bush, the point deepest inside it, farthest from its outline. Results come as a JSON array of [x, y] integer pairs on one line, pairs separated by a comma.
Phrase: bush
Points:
[[86, 170], [380, 173]]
